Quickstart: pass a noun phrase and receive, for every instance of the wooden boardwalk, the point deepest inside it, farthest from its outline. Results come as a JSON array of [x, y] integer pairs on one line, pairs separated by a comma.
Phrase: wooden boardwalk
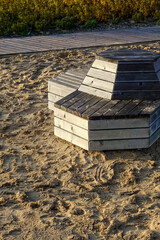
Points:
[[17, 45]]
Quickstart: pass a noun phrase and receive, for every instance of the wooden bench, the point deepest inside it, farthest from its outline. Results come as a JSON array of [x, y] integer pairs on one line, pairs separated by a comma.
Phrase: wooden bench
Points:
[[117, 105]]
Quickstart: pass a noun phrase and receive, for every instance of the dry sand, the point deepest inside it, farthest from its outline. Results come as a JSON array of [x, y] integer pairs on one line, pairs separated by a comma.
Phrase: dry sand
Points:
[[51, 189]]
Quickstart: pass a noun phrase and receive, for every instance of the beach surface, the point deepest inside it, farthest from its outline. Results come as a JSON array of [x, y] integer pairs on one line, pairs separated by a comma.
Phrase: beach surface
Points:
[[53, 190]]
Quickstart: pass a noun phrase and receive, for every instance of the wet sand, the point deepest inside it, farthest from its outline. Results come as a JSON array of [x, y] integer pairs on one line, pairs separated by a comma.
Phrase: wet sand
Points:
[[53, 190]]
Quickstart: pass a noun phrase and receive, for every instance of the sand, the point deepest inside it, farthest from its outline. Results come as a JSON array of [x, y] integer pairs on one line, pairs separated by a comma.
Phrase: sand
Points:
[[53, 190]]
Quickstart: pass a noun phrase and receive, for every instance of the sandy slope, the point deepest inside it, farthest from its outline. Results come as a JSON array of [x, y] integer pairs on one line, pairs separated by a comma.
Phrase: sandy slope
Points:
[[50, 189]]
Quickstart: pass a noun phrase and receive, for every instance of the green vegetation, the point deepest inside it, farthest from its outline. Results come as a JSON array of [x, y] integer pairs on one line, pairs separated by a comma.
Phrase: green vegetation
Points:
[[25, 16]]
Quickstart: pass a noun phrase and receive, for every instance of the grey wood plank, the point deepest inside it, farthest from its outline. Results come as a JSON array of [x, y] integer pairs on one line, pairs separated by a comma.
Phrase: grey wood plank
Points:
[[103, 75], [67, 98], [87, 106], [119, 134], [155, 115], [118, 144], [95, 91], [133, 55], [60, 84], [70, 78], [94, 107], [154, 126], [123, 86], [53, 97], [154, 137], [71, 138], [97, 83], [100, 113], [152, 107], [116, 108], [66, 116], [157, 65], [136, 67], [139, 108], [118, 123], [129, 107], [73, 100], [134, 77], [61, 90], [64, 81], [81, 102], [105, 65], [71, 128], [150, 95], [51, 105]]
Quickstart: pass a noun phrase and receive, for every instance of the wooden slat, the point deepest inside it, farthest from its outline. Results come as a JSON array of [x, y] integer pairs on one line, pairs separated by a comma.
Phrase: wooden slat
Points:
[[135, 67], [154, 126], [116, 108], [136, 95], [74, 99], [157, 65], [139, 108], [53, 97], [67, 78], [67, 98], [97, 83], [71, 138], [81, 73], [129, 107], [81, 122], [99, 113], [118, 145], [87, 106], [105, 65], [61, 91], [51, 105], [81, 102], [60, 84], [63, 82], [118, 123], [153, 85], [154, 137], [155, 115], [70, 127], [134, 77], [103, 75], [127, 55], [93, 108], [153, 109], [119, 134], [95, 91]]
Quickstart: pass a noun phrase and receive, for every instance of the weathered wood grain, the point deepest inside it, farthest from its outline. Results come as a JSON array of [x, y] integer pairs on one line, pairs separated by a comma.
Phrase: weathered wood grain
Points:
[[95, 91], [73, 119], [136, 86], [118, 123], [103, 75], [113, 134], [137, 77], [71, 128], [154, 137], [71, 138], [51, 105], [105, 65], [154, 126], [99, 84], [118, 145], [60, 90], [53, 98], [67, 98]]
